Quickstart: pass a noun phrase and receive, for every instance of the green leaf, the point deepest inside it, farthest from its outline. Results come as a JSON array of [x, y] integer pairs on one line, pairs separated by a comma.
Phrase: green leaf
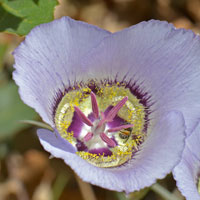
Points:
[[12, 110], [20, 16]]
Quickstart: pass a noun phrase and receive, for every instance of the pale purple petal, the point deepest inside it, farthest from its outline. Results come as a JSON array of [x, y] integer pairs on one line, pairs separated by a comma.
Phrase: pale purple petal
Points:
[[54, 143], [187, 172], [48, 60], [157, 59], [159, 154]]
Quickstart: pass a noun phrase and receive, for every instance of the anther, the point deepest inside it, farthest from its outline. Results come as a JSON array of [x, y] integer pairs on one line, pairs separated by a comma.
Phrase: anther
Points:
[[88, 136], [95, 108], [102, 115], [110, 142], [113, 112], [118, 128], [82, 116]]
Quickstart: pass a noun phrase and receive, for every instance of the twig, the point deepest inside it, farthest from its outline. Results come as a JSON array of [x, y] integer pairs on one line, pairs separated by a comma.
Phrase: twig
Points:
[[177, 193], [36, 123], [86, 189], [164, 193], [59, 185], [121, 196]]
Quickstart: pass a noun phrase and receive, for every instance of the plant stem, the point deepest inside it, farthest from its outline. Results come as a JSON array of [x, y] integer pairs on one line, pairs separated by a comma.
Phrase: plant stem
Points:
[[121, 196], [59, 185], [36, 123], [164, 193], [86, 189]]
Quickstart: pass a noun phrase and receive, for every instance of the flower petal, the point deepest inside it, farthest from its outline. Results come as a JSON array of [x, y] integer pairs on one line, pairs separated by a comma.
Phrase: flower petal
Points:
[[187, 172], [48, 60], [54, 143], [161, 60], [159, 154], [193, 142]]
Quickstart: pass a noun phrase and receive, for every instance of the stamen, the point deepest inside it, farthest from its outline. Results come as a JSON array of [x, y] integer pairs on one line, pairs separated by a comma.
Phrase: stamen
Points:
[[102, 115], [110, 142], [118, 128], [83, 117], [95, 108], [105, 128], [88, 136], [113, 112]]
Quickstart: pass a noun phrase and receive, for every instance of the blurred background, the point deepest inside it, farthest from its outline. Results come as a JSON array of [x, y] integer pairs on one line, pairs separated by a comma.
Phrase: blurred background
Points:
[[26, 172]]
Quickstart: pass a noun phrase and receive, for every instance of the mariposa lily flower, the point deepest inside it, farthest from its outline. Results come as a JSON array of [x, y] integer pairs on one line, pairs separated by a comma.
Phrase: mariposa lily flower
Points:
[[187, 172], [118, 103]]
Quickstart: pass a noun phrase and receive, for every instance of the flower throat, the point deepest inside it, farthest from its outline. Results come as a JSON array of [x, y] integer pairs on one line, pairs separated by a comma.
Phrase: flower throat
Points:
[[105, 123]]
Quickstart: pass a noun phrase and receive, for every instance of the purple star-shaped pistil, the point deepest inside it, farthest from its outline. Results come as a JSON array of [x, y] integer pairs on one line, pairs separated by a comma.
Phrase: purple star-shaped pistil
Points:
[[99, 128]]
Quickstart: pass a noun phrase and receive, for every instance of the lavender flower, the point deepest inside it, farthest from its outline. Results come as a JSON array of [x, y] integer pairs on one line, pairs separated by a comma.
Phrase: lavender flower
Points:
[[118, 103], [187, 172]]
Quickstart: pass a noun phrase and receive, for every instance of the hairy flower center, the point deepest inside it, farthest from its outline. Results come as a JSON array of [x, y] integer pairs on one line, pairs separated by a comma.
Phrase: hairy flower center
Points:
[[105, 124]]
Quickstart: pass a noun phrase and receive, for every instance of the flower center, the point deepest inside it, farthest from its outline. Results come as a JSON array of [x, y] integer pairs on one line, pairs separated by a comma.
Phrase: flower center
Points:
[[198, 185], [98, 127], [105, 123]]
